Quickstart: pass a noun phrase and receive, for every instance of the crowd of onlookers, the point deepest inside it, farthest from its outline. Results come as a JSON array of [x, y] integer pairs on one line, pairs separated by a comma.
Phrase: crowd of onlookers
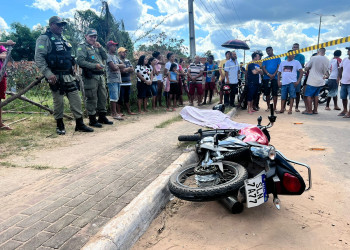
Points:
[[165, 78], [291, 78]]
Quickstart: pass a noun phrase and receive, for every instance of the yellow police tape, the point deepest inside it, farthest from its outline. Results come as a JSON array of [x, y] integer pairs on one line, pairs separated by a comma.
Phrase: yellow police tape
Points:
[[294, 52], [313, 47]]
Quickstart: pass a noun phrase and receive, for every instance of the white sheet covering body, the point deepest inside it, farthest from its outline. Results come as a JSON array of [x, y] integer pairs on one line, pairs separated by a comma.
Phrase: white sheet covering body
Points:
[[210, 118]]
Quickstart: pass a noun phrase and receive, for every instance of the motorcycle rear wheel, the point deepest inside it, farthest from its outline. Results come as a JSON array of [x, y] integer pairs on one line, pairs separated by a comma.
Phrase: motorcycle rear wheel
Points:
[[233, 178]]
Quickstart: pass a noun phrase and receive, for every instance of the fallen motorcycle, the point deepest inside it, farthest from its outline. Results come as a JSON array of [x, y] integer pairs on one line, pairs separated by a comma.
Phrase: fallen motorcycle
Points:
[[236, 167]]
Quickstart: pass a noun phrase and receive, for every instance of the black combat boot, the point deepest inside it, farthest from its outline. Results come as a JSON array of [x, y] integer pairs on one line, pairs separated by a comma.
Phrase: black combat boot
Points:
[[81, 127], [93, 122], [103, 119], [60, 130]]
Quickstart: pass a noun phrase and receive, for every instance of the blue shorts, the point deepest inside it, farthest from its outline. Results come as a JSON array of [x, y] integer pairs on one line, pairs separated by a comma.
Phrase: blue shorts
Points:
[[312, 91], [345, 91], [298, 88], [154, 88], [114, 91], [288, 89], [332, 88], [252, 91]]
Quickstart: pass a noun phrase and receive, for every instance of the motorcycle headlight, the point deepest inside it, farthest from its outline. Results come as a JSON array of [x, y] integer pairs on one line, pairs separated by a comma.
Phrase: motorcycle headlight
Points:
[[264, 152]]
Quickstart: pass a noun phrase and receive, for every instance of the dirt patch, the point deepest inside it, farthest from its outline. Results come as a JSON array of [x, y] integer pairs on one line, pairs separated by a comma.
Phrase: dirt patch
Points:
[[318, 219]]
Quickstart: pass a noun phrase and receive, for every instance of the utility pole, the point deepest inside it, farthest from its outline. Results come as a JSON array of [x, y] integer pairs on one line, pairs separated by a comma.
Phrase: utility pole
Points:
[[191, 29], [244, 52], [319, 26]]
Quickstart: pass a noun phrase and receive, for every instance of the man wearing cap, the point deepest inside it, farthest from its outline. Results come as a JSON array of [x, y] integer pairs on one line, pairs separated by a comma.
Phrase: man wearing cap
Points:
[[114, 78], [125, 86], [53, 58], [90, 57]]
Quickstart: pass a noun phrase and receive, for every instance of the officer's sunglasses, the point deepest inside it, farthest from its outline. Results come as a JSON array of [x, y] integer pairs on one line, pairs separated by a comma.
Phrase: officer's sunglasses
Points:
[[60, 24]]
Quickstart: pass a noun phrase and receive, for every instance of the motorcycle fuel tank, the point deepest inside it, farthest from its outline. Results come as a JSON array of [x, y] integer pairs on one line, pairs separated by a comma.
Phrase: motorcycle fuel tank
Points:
[[253, 133]]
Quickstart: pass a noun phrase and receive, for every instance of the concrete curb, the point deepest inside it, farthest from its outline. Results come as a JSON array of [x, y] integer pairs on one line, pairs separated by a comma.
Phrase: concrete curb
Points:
[[122, 231]]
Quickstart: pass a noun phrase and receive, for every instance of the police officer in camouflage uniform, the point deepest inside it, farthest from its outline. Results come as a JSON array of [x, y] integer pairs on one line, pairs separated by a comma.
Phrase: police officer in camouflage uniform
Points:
[[90, 57], [53, 58]]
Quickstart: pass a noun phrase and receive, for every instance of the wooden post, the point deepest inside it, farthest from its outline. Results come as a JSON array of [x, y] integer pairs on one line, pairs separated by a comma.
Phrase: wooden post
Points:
[[37, 104], [23, 91]]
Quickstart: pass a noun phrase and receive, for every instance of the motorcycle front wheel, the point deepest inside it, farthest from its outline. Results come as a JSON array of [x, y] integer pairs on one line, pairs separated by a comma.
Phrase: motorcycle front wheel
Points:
[[183, 185], [323, 95]]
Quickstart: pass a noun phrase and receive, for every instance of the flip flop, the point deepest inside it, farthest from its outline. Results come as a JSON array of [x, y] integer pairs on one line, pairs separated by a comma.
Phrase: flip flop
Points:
[[290, 112], [118, 117], [131, 113], [341, 114], [297, 110], [304, 113], [315, 113], [279, 112], [336, 108], [5, 128], [327, 108], [346, 116]]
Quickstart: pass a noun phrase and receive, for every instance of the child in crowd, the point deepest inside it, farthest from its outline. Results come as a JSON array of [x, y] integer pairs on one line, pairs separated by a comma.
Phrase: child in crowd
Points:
[[174, 87]]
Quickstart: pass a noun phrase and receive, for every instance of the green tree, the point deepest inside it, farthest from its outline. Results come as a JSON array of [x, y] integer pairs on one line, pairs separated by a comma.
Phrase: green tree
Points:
[[107, 27], [164, 44], [208, 53], [25, 41]]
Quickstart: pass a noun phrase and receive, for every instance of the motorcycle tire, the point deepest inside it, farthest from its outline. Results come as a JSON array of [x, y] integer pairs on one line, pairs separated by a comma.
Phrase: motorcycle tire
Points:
[[189, 138], [228, 187], [323, 95]]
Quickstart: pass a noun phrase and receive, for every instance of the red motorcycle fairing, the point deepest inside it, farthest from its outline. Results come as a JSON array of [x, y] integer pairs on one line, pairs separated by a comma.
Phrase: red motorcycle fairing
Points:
[[253, 133]]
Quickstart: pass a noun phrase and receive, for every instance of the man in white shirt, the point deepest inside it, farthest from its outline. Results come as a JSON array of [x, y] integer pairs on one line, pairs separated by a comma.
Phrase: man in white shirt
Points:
[[288, 70], [318, 66], [333, 81], [231, 76], [344, 76]]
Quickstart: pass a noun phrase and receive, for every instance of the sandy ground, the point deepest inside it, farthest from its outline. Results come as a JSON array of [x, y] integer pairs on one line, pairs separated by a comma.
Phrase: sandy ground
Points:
[[318, 219]]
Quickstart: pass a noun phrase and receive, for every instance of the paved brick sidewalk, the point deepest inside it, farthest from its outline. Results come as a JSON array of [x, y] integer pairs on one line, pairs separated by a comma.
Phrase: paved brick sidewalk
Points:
[[65, 208]]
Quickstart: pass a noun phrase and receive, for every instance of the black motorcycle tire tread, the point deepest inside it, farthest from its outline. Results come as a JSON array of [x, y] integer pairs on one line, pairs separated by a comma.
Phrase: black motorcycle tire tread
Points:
[[208, 193], [189, 138]]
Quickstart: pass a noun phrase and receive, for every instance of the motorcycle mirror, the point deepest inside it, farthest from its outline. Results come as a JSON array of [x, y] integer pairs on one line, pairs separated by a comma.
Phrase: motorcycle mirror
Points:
[[216, 141], [272, 117], [200, 132], [259, 120]]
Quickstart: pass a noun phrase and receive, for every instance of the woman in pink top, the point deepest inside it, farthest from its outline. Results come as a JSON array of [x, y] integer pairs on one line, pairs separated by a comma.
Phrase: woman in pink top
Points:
[[3, 83]]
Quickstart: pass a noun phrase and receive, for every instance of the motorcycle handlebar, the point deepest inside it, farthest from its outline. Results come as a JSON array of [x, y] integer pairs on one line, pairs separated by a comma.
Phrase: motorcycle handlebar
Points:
[[189, 138], [272, 110]]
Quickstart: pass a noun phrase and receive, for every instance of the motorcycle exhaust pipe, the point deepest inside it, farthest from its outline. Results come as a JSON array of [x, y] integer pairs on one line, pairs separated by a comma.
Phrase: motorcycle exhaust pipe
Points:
[[232, 204]]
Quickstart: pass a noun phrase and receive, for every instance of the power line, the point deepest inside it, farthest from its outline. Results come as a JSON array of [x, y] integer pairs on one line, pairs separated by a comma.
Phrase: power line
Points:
[[218, 20], [239, 19], [213, 18], [223, 17]]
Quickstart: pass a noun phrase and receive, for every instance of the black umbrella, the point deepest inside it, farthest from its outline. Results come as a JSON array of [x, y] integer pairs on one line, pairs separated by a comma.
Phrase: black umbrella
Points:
[[236, 44]]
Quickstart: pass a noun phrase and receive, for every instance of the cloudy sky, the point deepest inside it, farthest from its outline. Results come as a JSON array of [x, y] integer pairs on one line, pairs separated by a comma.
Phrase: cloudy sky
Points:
[[264, 23]]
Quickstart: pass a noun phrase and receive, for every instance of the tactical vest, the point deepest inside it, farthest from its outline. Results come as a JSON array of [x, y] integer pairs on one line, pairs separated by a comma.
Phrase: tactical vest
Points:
[[60, 58]]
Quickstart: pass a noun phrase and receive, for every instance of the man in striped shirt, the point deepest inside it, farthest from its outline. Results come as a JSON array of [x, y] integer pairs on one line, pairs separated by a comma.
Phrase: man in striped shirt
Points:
[[195, 74]]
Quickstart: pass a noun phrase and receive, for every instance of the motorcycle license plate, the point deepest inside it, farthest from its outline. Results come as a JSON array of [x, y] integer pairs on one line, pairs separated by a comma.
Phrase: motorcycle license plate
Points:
[[255, 189]]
